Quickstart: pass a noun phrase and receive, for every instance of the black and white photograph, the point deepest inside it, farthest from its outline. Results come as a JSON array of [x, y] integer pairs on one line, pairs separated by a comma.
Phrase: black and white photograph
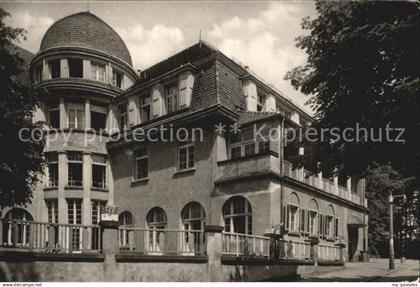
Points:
[[209, 141]]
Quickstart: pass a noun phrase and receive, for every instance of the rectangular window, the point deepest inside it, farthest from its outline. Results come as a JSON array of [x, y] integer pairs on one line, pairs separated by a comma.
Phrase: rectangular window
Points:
[[123, 116], [249, 149], [99, 171], [74, 216], [263, 147], [260, 102], [98, 121], [186, 155], [98, 115], [312, 222], [97, 209], [52, 207], [54, 116], [55, 67], [145, 109], [171, 93], [98, 72], [75, 169], [75, 68], [329, 226], [235, 152], [74, 211], [76, 115], [52, 164], [38, 74], [116, 79], [141, 163], [293, 218]]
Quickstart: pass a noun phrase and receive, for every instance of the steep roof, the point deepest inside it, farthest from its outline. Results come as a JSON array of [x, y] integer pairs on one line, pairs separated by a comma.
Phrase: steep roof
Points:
[[88, 31]]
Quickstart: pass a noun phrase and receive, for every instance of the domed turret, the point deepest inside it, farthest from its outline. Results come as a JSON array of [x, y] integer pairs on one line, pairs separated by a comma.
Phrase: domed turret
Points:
[[87, 31]]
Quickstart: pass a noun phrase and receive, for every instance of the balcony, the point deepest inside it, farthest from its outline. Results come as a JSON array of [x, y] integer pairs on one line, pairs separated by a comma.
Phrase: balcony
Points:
[[42, 237], [248, 166], [245, 245], [324, 184], [161, 242]]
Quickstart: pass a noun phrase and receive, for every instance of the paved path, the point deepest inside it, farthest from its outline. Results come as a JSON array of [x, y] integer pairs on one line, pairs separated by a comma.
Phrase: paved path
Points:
[[374, 271]]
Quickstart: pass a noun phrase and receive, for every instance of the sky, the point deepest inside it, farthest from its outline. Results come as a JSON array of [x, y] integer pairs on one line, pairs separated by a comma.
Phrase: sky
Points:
[[258, 34]]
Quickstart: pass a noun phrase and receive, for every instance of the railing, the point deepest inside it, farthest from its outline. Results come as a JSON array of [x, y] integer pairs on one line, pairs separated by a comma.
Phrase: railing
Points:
[[324, 184], [355, 198], [290, 249], [74, 182], [245, 245], [50, 237], [99, 184], [328, 252], [162, 241]]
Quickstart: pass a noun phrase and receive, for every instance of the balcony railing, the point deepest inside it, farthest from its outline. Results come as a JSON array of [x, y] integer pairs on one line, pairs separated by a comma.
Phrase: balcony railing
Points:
[[161, 241], [51, 237], [248, 166], [291, 249], [324, 184], [328, 252], [245, 245]]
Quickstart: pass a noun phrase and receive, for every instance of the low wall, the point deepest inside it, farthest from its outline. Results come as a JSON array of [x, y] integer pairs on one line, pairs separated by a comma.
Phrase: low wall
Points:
[[113, 264], [47, 271]]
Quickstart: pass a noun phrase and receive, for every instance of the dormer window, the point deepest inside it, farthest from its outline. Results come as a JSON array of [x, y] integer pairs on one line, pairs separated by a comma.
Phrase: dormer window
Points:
[[145, 109], [98, 72], [260, 102], [171, 96], [117, 79], [54, 67]]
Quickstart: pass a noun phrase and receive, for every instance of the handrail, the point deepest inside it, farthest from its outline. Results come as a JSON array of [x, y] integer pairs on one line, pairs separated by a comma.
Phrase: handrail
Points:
[[246, 235], [151, 229], [47, 223]]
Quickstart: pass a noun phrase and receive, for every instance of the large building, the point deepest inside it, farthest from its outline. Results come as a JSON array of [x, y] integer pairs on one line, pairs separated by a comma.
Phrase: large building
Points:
[[227, 178]]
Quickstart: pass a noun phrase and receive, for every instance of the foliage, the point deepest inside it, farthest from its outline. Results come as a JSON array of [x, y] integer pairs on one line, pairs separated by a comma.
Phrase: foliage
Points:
[[20, 161], [362, 68]]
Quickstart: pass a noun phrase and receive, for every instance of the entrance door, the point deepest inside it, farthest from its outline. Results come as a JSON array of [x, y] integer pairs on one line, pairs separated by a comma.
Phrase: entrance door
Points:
[[353, 235]]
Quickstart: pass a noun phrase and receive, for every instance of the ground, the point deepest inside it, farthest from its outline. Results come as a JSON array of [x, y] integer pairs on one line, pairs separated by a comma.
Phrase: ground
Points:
[[374, 271]]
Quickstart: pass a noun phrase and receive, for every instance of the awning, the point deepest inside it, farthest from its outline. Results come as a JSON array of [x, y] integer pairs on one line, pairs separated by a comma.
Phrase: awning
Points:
[[355, 221]]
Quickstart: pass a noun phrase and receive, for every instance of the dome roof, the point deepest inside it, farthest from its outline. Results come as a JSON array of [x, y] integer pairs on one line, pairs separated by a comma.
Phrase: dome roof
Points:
[[88, 31]]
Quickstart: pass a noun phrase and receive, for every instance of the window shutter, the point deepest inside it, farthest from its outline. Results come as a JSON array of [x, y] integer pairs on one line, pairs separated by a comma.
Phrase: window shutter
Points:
[[320, 225], [306, 221], [302, 220], [157, 94], [286, 217], [336, 228]]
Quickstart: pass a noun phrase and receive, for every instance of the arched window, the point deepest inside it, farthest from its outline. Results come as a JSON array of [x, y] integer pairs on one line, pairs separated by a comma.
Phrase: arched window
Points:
[[293, 213], [125, 219], [156, 220], [237, 214], [193, 219], [193, 216], [313, 217], [18, 230]]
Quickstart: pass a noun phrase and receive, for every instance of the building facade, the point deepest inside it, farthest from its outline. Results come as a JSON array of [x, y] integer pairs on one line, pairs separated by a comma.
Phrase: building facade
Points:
[[107, 130]]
